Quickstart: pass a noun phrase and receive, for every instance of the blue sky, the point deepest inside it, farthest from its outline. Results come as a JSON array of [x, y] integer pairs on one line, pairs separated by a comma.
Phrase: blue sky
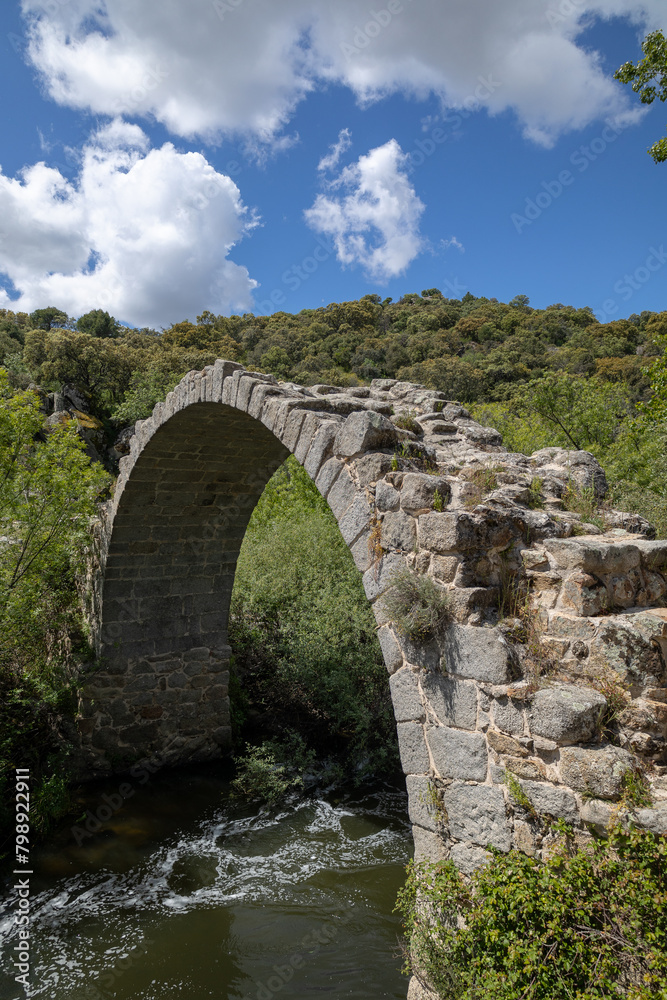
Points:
[[162, 159]]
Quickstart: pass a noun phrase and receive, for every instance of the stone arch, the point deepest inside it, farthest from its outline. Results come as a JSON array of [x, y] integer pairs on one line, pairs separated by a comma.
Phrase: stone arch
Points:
[[466, 708], [170, 540]]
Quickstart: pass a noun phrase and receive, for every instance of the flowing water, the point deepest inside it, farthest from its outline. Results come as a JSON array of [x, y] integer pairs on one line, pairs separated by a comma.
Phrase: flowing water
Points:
[[179, 895]]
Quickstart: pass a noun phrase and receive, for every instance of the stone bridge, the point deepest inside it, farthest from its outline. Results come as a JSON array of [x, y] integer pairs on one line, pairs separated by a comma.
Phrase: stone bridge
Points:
[[503, 718]]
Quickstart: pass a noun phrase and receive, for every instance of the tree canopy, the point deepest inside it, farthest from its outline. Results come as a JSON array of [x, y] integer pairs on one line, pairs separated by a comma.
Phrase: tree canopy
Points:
[[648, 78]]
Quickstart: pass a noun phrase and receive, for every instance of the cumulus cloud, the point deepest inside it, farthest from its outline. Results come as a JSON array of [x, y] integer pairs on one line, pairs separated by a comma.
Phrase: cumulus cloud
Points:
[[144, 233], [208, 68], [374, 220]]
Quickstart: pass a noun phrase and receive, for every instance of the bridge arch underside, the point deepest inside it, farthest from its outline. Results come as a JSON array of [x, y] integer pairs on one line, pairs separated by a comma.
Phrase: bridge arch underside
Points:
[[170, 564]]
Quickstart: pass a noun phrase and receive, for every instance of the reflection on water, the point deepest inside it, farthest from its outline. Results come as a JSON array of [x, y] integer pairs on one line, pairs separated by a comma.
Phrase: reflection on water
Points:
[[177, 895]]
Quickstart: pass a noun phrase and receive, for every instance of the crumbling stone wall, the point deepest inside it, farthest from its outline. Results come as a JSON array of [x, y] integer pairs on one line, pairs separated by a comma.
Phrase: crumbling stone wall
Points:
[[545, 689]]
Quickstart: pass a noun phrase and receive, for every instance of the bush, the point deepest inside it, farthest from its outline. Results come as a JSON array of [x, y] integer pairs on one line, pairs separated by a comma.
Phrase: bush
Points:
[[303, 633], [588, 923], [48, 492], [416, 604]]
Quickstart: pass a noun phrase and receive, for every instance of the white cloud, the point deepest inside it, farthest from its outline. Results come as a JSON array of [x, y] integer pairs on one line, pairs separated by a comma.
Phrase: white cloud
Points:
[[208, 68], [332, 159], [144, 233], [375, 220], [452, 242]]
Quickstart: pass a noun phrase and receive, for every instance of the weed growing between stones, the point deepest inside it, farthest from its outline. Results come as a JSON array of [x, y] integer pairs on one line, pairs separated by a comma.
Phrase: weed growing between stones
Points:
[[617, 697], [438, 502], [535, 498], [636, 790], [520, 625], [418, 607], [583, 501], [587, 922], [407, 422], [518, 794], [479, 482]]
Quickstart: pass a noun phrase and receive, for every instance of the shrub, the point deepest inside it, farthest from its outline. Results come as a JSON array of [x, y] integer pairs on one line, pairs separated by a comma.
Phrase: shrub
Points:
[[588, 923], [303, 633], [416, 604]]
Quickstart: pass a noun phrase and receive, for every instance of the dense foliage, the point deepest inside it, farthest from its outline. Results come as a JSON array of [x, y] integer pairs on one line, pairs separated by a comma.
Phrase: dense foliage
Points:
[[649, 79], [588, 923], [48, 492], [303, 633]]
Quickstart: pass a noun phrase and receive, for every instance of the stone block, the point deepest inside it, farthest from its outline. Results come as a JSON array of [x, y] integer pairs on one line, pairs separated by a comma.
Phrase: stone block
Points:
[[504, 744], [549, 800], [429, 847], [405, 696], [361, 553], [597, 814], [508, 716], [479, 653], [320, 447], [379, 577], [468, 858], [412, 748], [533, 770], [443, 568], [421, 807], [363, 431], [453, 702], [654, 820], [591, 556], [566, 714], [458, 754], [584, 594], [597, 771], [327, 475], [570, 626], [399, 531], [356, 519], [477, 814], [442, 532], [386, 497], [391, 651], [370, 468], [418, 492]]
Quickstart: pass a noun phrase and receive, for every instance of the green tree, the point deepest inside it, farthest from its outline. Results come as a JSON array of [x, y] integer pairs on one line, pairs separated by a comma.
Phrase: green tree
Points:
[[585, 413], [48, 492], [98, 323], [649, 79], [45, 319]]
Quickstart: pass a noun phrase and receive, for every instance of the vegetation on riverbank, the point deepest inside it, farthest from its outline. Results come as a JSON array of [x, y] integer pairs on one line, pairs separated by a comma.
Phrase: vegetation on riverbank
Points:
[[588, 922]]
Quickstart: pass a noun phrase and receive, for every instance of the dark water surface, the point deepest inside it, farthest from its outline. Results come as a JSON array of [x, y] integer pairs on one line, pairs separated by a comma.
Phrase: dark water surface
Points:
[[180, 896]]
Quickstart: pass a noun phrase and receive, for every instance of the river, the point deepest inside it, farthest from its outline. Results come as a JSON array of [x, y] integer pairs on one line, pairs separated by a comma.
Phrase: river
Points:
[[181, 894]]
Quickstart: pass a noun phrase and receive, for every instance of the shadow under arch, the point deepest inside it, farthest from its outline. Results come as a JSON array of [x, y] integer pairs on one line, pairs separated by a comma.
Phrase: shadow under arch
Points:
[[169, 544]]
